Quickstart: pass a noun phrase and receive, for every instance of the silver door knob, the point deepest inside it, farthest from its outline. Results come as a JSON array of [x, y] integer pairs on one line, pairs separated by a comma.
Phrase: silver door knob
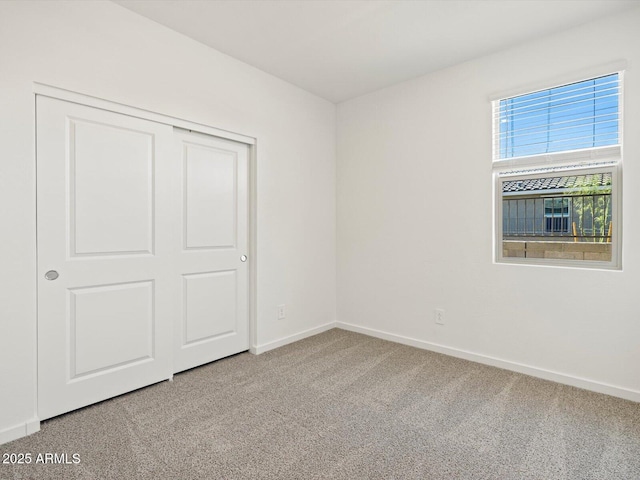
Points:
[[243, 258], [51, 275]]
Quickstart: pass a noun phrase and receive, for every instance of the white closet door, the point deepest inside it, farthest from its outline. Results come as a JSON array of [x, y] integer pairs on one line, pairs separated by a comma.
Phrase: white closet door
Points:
[[106, 219], [213, 264]]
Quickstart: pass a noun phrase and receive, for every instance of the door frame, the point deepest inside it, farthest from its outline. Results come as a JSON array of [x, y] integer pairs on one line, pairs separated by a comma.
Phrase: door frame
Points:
[[41, 89]]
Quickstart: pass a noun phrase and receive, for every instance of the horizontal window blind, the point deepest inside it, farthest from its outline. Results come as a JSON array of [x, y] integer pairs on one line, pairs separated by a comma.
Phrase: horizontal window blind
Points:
[[576, 116]]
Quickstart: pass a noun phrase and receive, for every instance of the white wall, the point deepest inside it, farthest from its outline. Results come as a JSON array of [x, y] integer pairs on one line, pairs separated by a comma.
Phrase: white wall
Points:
[[414, 227], [101, 49]]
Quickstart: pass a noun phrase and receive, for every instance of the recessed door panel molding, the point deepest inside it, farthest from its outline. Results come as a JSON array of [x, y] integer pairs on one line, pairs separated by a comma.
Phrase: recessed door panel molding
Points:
[[214, 300], [143, 249], [103, 317], [210, 196], [210, 306], [110, 189]]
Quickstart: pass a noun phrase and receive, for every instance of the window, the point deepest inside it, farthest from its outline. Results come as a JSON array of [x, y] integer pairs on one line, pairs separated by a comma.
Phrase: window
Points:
[[557, 155], [556, 215]]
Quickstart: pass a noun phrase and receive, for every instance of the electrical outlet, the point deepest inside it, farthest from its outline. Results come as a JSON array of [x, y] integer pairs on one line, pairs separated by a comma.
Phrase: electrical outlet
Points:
[[281, 312], [439, 316]]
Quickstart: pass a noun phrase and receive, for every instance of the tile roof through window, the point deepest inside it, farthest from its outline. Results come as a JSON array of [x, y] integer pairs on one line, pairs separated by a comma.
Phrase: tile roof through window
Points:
[[534, 185]]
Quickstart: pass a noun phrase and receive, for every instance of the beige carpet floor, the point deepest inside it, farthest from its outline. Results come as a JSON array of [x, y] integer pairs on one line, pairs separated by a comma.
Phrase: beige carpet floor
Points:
[[343, 406]]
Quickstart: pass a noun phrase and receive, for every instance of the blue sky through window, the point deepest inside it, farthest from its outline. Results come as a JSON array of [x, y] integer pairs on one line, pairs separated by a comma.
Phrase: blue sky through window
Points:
[[570, 117]]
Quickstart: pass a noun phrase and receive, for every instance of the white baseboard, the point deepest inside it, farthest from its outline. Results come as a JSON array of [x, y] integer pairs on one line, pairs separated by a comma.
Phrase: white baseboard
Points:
[[258, 349], [583, 383], [19, 431]]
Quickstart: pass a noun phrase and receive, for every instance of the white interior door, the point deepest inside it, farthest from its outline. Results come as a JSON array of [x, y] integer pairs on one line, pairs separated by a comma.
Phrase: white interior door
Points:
[[106, 219], [213, 264]]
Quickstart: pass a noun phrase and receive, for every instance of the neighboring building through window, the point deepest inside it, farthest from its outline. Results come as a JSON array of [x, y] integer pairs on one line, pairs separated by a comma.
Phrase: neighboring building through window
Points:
[[556, 162], [556, 215]]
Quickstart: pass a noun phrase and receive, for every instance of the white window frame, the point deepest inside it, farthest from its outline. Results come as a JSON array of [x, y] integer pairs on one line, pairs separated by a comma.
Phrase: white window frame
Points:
[[577, 162]]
